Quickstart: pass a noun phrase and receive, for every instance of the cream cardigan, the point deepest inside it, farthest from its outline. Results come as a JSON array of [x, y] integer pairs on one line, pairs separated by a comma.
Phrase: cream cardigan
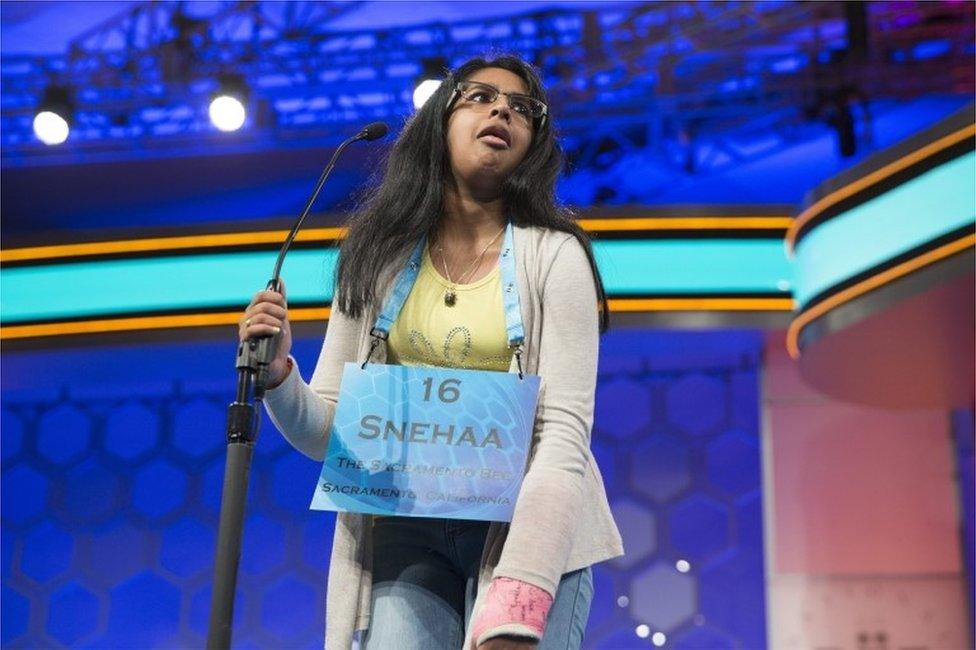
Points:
[[562, 521]]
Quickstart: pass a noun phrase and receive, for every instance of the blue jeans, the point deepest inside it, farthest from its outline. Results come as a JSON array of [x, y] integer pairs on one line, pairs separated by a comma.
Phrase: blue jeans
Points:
[[425, 579]]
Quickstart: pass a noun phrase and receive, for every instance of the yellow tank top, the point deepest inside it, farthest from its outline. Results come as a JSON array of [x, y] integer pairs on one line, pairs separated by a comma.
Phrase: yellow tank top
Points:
[[471, 334]]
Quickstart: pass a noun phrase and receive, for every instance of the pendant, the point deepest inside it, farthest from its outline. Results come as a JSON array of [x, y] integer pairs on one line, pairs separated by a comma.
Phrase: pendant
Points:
[[450, 298]]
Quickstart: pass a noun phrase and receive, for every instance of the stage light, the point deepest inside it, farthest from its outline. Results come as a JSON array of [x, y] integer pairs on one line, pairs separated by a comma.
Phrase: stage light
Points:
[[659, 639], [642, 631], [227, 106], [54, 115], [433, 71], [227, 113], [682, 566], [424, 90], [50, 128]]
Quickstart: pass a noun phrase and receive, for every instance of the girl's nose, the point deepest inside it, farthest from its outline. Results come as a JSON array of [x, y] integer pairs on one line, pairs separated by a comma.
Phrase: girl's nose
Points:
[[501, 108]]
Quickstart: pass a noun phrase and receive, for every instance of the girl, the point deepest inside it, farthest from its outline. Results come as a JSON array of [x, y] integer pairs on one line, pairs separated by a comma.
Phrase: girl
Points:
[[473, 169]]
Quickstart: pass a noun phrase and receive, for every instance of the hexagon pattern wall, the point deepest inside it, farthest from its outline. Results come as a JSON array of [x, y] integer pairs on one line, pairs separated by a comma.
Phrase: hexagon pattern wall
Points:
[[110, 504], [109, 523], [676, 436]]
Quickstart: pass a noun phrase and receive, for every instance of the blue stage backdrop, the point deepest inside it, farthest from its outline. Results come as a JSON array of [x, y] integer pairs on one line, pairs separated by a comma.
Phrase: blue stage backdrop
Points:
[[112, 463]]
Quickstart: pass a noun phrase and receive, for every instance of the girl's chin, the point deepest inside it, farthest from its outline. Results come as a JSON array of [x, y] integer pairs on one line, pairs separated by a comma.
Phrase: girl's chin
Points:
[[486, 166], [486, 184], [485, 170]]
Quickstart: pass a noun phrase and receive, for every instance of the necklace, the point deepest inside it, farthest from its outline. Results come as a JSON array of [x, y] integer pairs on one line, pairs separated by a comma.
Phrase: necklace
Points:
[[450, 296]]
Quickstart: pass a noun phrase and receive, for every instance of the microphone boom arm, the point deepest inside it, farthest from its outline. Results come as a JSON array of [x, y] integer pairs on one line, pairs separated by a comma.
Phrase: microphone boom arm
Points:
[[243, 417]]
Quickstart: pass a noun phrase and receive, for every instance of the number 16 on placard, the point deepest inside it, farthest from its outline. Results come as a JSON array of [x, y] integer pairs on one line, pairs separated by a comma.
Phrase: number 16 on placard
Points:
[[447, 391]]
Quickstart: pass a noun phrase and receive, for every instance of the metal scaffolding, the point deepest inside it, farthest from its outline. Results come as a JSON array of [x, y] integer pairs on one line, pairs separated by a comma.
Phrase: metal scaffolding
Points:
[[682, 81]]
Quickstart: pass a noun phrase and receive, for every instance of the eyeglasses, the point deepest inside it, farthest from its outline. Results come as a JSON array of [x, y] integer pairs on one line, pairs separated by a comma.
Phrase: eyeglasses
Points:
[[478, 92]]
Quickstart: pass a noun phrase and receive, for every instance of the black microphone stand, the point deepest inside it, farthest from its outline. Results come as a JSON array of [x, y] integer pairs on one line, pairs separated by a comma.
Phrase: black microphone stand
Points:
[[243, 417]]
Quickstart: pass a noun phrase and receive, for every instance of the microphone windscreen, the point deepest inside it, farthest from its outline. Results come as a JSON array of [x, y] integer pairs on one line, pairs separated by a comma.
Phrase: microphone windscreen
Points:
[[374, 131]]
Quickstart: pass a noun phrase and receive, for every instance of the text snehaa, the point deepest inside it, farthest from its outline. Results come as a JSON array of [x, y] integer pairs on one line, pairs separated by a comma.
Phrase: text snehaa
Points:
[[373, 427]]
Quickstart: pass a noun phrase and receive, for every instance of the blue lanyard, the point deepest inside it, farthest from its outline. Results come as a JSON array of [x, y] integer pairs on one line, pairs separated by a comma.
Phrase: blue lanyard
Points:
[[405, 281]]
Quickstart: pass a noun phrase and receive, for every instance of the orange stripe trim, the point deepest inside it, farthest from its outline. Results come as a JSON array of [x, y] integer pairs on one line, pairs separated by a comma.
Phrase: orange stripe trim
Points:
[[685, 223], [128, 246], [874, 177], [869, 284], [700, 304], [324, 235], [142, 323]]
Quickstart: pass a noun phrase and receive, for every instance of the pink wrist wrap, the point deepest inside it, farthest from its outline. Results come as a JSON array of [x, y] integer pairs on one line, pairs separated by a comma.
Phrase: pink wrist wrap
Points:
[[510, 601]]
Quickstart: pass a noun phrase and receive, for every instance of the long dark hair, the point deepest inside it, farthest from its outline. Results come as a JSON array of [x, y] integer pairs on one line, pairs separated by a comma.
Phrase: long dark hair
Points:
[[409, 201]]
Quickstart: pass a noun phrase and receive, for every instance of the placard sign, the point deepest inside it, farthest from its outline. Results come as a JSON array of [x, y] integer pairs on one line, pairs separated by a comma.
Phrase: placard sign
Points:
[[428, 442]]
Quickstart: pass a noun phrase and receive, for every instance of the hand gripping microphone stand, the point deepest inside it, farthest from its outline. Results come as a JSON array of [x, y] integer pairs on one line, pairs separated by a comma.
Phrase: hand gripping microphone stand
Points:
[[243, 416]]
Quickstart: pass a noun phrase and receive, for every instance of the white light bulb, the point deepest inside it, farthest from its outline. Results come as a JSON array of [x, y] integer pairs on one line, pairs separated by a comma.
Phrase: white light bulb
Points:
[[50, 128], [682, 565], [659, 639], [227, 113], [642, 631], [423, 91]]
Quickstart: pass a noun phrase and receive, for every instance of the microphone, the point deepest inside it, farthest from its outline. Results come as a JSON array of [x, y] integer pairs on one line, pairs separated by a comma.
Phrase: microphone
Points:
[[370, 132], [373, 131], [243, 419], [260, 351]]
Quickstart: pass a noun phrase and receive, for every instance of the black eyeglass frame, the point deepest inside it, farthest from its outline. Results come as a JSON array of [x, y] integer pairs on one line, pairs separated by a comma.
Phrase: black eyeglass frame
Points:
[[456, 92]]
